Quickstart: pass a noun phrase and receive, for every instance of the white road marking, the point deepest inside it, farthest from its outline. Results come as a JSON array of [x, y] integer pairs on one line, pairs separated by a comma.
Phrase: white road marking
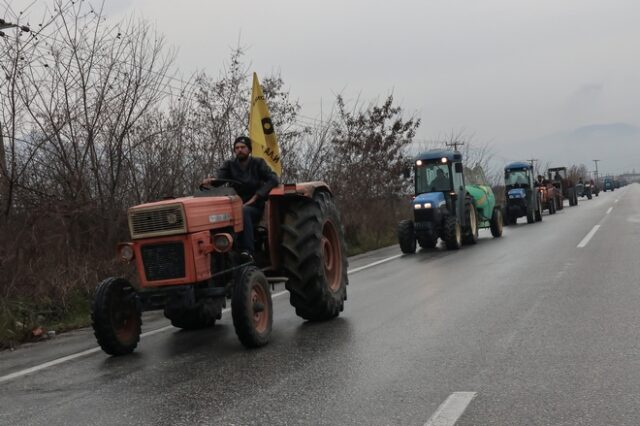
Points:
[[451, 409], [353, 271], [91, 351], [71, 357], [609, 211], [588, 237]]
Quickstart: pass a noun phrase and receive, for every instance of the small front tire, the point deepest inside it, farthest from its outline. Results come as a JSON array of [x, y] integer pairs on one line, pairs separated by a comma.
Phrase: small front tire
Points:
[[116, 316], [407, 237], [252, 307]]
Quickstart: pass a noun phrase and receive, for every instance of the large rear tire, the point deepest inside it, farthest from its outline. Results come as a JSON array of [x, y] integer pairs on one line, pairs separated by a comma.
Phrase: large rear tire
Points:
[[314, 258], [252, 307], [471, 234], [116, 316], [407, 237], [496, 223], [452, 233]]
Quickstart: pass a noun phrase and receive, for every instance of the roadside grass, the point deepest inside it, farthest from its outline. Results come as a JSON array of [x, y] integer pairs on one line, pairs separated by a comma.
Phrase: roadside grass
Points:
[[25, 321]]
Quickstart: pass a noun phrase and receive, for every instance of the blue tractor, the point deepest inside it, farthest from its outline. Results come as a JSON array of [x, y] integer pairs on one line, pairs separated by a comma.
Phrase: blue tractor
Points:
[[522, 197], [445, 207]]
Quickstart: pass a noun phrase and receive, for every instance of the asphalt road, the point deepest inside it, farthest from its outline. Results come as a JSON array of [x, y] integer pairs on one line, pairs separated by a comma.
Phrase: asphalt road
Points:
[[538, 327]]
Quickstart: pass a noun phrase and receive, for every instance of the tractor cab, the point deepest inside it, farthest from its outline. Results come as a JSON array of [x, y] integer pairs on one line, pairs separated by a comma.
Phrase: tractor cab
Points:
[[558, 176], [522, 199], [439, 181], [518, 176]]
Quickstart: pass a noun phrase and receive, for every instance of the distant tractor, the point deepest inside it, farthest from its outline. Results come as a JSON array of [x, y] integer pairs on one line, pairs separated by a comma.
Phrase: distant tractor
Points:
[[188, 263], [558, 176], [445, 206], [584, 189], [522, 197], [550, 197], [608, 185]]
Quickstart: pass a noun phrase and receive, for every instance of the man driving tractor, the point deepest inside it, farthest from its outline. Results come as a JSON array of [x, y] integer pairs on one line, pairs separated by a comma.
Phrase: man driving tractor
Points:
[[253, 180]]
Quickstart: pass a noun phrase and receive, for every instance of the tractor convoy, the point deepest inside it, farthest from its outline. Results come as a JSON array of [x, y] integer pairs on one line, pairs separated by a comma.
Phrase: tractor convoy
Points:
[[449, 206], [185, 251]]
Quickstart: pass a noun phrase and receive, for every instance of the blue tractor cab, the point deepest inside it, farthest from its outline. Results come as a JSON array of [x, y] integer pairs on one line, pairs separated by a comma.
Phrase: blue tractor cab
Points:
[[521, 197]]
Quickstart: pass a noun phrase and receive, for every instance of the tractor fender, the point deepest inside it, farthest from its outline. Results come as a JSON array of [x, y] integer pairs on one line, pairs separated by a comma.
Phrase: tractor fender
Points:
[[304, 189]]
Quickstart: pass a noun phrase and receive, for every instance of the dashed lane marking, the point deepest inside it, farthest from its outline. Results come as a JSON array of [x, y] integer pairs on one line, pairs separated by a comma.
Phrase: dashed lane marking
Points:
[[588, 237], [451, 409], [609, 211]]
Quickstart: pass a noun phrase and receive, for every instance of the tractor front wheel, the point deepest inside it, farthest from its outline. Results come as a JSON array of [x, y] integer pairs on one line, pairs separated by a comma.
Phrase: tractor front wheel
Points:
[[116, 316], [407, 237], [531, 216], [315, 257], [252, 307]]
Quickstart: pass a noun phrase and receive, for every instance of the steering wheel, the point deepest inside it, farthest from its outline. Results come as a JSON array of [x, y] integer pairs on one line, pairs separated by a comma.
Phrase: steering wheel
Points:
[[228, 182]]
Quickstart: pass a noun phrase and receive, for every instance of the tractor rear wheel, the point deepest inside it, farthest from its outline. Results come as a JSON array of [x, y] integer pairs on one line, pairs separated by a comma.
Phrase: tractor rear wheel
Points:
[[496, 222], [471, 234], [314, 257], [252, 307], [452, 233], [116, 316], [407, 237]]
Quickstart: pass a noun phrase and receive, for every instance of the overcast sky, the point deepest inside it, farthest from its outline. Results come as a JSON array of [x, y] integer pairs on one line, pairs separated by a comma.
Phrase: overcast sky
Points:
[[503, 70]]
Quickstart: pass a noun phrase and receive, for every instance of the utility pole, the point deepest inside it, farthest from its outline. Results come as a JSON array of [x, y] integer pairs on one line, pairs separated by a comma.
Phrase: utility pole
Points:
[[596, 161], [532, 161], [454, 144]]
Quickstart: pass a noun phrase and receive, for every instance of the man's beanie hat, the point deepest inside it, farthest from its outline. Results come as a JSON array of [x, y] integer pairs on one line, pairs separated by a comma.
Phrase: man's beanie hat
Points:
[[243, 139]]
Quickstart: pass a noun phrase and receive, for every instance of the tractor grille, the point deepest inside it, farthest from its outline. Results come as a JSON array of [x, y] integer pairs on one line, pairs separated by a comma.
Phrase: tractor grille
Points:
[[166, 220], [163, 261], [424, 215]]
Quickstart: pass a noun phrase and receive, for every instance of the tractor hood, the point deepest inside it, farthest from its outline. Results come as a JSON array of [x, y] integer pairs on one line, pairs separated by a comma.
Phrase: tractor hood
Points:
[[436, 199], [516, 193]]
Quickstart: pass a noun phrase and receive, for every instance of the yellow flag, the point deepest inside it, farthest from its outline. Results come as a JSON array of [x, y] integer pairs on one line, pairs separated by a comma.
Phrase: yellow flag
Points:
[[261, 131]]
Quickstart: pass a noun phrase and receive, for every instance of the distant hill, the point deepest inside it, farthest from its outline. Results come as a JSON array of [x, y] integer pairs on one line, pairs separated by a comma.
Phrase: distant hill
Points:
[[616, 144]]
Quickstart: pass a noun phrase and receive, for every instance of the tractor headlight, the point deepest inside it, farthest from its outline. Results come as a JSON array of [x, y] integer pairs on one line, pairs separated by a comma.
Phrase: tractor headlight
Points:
[[417, 206], [427, 205], [222, 242], [419, 163], [443, 160], [126, 253]]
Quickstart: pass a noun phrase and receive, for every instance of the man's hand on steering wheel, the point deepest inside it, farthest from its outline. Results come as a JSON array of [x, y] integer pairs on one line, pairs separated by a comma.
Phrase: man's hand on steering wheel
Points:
[[210, 182]]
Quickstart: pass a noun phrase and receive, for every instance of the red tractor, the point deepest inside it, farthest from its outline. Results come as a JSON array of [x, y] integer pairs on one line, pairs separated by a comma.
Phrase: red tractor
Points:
[[550, 196], [564, 185], [187, 262]]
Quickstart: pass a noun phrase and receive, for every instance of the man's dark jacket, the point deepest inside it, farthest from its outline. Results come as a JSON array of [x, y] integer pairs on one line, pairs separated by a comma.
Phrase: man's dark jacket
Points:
[[256, 178]]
